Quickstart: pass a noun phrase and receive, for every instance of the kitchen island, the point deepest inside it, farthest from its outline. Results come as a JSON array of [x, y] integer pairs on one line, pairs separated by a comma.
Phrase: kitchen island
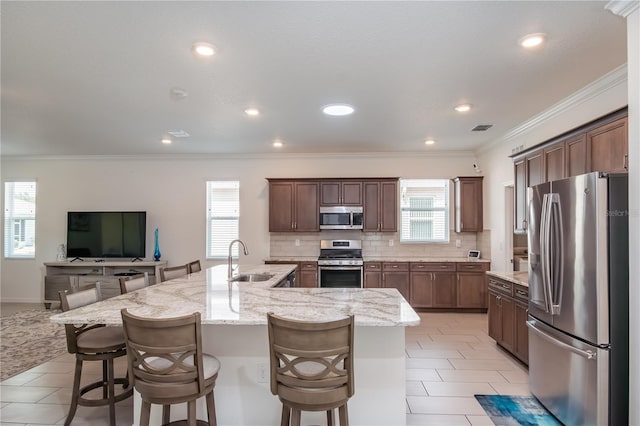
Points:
[[234, 330]]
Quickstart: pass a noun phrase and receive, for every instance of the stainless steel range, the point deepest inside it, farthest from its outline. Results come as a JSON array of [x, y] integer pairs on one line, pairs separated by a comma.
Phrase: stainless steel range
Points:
[[340, 264]]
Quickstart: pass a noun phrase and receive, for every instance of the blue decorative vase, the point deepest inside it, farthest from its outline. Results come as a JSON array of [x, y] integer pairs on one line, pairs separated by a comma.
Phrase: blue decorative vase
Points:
[[156, 252]]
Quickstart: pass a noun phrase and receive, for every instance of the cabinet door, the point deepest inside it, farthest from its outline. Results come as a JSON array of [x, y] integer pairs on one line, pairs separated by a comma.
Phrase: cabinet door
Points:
[[521, 339], [576, 153], [421, 289], [281, 206], [554, 162], [371, 206], [472, 290], [307, 217], [607, 147], [520, 195], [444, 289], [330, 193], [388, 206], [535, 169], [468, 208], [352, 193], [495, 316], [507, 310], [372, 274], [308, 276], [399, 281]]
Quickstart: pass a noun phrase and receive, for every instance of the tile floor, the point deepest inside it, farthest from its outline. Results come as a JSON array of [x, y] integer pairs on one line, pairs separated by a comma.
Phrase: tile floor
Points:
[[450, 358]]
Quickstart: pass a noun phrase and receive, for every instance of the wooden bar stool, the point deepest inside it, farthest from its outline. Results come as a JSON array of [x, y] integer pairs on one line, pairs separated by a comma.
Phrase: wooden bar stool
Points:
[[167, 366], [194, 266], [173, 272], [94, 343], [311, 366], [133, 282]]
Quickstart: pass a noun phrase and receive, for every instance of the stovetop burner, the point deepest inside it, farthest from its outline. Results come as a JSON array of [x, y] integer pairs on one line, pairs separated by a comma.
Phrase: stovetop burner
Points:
[[340, 252]]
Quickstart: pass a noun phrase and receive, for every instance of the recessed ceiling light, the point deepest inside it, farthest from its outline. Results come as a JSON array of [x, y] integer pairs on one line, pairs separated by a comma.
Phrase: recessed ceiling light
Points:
[[429, 142], [252, 112], [277, 144], [166, 141], [338, 109], [204, 49], [463, 108], [532, 40]]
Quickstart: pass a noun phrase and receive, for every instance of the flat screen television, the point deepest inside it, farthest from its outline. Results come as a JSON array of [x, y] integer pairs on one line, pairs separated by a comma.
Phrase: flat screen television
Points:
[[106, 234]]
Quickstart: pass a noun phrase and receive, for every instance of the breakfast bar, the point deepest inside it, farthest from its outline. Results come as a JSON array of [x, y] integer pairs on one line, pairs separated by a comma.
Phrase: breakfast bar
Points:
[[234, 330]]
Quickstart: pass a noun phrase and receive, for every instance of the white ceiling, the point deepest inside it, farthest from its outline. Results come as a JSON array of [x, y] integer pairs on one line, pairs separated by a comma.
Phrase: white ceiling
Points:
[[91, 78]]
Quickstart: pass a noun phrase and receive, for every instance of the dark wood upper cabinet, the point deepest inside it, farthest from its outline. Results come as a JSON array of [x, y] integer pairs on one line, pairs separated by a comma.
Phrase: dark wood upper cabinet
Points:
[[468, 204], [380, 205], [535, 168], [520, 195], [338, 193], [576, 153], [293, 206], [554, 162], [607, 147]]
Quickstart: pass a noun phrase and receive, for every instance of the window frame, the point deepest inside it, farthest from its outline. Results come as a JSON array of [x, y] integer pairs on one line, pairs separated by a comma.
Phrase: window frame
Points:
[[430, 212], [210, 217], [10, 221]]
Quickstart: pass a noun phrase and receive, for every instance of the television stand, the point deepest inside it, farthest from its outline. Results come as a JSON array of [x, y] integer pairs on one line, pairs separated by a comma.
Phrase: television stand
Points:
[[73, 275]]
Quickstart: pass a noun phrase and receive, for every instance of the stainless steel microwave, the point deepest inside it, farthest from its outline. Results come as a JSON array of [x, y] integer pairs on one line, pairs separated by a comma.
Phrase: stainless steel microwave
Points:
[[341, 217]]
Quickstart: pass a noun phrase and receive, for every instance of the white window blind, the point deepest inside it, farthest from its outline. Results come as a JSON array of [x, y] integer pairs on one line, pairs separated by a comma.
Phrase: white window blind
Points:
[[424, 210], [20, 219], [223, 217]]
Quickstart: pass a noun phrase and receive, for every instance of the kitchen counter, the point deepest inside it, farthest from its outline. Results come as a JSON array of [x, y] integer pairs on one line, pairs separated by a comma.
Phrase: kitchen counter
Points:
[[422, 259], [234, 330], [517, 277]]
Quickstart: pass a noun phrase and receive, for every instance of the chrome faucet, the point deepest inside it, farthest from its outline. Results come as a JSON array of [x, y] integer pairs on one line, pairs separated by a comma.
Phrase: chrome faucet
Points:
[[230, 259]]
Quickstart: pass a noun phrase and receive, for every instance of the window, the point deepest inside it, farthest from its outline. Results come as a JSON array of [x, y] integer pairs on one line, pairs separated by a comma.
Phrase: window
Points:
[[20, 219], [223, 217], [424, 210]]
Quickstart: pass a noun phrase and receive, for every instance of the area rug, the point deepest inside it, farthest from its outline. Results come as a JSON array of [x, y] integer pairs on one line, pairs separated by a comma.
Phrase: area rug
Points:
[[28, 339], [516, 410]]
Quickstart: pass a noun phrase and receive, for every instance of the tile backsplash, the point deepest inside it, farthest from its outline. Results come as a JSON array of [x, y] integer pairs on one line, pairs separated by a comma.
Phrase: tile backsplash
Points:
[[377, 244]]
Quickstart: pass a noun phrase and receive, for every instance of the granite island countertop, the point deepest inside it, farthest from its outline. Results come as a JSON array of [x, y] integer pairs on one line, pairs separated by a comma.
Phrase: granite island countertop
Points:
[[383, 259], [517, 277], [247, 303]]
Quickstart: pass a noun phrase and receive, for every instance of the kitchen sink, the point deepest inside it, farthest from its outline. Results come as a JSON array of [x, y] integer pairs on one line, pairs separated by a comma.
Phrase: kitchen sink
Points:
[[253, 277]]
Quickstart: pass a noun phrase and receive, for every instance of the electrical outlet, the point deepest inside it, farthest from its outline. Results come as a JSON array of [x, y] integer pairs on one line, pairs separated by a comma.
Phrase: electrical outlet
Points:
[[263, 373], [390, 243], [297, 243], [458, 243]]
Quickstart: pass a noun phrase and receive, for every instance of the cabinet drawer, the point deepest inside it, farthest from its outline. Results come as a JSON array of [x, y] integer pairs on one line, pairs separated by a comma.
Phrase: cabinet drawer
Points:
[[501, 286], [305, 266], [395, 266], [372, 266], [471, 266], [56, 283], [521, 293], [433, 266]]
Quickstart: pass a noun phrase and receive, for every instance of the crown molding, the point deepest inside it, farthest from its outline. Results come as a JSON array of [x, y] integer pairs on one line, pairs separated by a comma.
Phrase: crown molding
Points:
[[623, 8], [608, 81]]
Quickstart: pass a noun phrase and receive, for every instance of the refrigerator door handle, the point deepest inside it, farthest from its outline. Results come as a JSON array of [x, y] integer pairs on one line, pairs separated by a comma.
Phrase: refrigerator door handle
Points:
[[544, 251], [556, 252], [585, 354]]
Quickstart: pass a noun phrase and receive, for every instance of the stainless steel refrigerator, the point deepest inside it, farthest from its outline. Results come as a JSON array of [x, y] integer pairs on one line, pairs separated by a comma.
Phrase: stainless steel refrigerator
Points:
[[579, 298]]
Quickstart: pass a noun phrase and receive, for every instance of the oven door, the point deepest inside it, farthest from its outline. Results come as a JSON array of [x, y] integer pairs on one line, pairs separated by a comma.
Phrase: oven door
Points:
[[340, 276]]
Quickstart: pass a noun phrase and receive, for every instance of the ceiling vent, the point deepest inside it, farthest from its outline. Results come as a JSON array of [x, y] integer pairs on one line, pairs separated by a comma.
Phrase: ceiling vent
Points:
[[178, 133], [481, 127]]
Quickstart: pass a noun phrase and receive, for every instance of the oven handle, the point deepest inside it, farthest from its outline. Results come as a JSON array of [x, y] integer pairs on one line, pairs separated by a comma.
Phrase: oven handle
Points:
[[339, 268]]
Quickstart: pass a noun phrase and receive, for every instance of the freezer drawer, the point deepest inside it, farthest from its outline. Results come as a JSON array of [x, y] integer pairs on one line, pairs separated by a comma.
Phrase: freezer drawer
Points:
[[569, 377]]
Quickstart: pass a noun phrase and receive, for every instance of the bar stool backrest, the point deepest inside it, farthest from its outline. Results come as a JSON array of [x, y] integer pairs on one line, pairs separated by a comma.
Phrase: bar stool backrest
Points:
[[133, 283], [73, 299], [194, 266], [173, 272]]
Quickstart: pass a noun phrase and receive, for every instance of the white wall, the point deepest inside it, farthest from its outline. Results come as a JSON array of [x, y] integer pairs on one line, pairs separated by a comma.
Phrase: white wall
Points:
[[172, 192]]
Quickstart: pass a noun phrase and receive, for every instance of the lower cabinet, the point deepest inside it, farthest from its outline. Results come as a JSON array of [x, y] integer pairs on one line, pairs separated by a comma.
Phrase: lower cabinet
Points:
[[396, 275], [306, 274], [372, 275], [508, 316]]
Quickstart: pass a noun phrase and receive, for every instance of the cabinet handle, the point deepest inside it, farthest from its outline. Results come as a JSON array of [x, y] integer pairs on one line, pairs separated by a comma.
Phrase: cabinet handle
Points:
[[444, 266], [394, 266], [626, 161], [521, 293], [524, 224], [506, 286]]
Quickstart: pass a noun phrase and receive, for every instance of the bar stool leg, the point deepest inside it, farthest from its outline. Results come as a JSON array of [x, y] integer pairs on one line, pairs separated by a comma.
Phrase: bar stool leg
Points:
[[166, 414], [191, 413], [286, 415], [295, 414], [329, 417], [344, 416], [211, 409], [145, 413], [111, 392], [76, 392]]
